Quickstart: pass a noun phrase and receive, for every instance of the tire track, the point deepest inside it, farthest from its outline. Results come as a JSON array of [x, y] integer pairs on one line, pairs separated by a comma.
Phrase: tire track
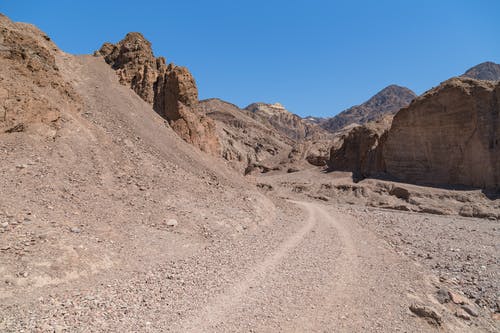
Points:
[[213, 313]]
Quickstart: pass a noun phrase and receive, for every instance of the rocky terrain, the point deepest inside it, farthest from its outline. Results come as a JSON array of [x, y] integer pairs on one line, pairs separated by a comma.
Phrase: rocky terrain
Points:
[[262, 139], [247, 144], [359, 151], [170, 89], [118, 213], [484, 71], [285, 122], [388, 101]]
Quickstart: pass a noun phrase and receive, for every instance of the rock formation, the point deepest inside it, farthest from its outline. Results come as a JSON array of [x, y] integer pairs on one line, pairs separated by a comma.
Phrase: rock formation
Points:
[[361, 151], [250, 143], [484, 71], [246, 143], [386, 102], [32, 90], [287, 123], [449, 135], [169, 88]]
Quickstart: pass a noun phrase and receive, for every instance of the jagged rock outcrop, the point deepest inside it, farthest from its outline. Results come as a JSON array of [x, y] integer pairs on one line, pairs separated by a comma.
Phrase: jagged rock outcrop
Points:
[[246, 143], [449, 135], [386, 102], [169, 88], [32, 90], [485, 71], [251, 144], [361, 150]]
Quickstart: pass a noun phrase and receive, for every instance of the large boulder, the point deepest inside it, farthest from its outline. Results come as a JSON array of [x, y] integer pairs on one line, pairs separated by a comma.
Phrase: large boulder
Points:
[[449, 135], [170, 89]]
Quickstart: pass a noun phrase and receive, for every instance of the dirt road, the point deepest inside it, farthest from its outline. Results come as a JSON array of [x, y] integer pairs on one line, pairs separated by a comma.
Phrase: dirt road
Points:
[[329, 276], [317, 271]]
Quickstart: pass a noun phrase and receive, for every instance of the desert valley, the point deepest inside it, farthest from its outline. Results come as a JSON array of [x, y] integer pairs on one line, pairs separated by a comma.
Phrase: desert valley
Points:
[[130, 205]]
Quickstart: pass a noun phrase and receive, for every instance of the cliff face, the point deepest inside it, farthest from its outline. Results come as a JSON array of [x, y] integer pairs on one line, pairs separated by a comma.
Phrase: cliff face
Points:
[[361, 150], [449, 135], [169, 88], [386, 102]]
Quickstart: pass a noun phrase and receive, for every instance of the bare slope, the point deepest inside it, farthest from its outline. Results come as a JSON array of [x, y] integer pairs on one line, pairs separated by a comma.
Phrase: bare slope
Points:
[[94, 180]]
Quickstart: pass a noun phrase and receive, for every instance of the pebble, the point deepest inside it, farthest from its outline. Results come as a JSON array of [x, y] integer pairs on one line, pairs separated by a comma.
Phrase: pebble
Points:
[[75, 230], [456, 298], [4, 224], [470, 310], [171, 222], [427, 312], [460, 313], [443, 295]]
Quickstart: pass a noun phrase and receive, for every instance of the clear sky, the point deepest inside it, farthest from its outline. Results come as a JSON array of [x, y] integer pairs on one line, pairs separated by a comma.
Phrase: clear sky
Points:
[[315, 57]]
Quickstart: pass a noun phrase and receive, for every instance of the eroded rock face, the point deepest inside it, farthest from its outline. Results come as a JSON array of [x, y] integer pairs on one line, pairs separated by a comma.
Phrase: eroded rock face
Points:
[[361, 151], [248, 145], [449, 135], [169, 88], [285, 122], [32, 90]]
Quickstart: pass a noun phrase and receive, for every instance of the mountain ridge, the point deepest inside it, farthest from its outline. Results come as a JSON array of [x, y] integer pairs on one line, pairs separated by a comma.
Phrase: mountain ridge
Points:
[[387, 101], [487, 70]]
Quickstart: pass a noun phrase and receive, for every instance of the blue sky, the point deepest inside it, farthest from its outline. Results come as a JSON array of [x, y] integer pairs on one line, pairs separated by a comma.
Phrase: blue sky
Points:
[[315, 57]]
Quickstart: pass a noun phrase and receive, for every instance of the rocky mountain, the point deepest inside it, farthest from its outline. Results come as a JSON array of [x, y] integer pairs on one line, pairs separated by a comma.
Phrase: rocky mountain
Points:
[[448, 136], [285, 122], [251, 143], [388, 101], [247, 144], [485, 71], [170, 89], [270, 131]]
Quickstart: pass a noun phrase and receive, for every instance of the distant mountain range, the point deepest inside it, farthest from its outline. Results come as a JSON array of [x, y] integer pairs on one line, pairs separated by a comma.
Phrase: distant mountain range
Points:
[[391, 99]]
